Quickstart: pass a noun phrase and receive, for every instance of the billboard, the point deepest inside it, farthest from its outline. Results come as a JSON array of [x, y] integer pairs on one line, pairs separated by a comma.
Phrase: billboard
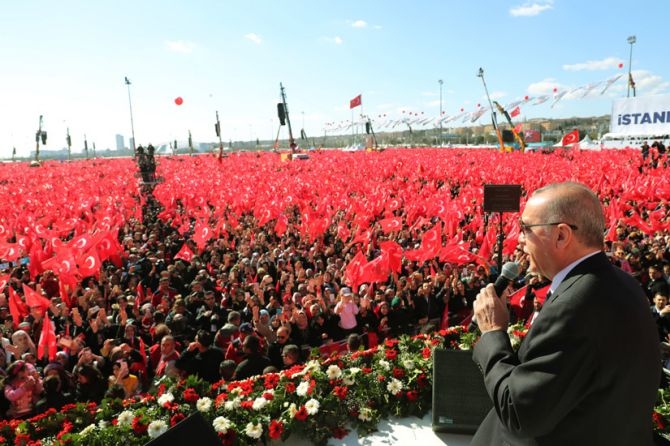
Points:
[[648, 115]]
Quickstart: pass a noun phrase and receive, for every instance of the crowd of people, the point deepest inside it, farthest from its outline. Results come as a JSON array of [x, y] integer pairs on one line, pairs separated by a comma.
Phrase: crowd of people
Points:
[[247, 304]]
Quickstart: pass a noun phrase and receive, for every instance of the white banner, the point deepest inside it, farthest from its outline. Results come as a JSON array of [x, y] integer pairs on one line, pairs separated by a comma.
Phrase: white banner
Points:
[[648, 115]]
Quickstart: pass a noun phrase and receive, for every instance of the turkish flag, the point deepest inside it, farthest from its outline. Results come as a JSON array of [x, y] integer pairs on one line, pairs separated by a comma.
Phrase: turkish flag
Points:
[[355, 102], [353, 270], [89, 263], [47, 339], [35, 299], [17, 308], [391, 224], [516, 112], [184, 253], [570, 138]]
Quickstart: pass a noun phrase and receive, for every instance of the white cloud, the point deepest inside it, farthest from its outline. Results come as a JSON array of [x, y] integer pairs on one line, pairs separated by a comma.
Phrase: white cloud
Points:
[[359, 24], [544, 86], [648, 82], [530, 9], [254, 38], [592, 65], [180, 46], [337, 40]]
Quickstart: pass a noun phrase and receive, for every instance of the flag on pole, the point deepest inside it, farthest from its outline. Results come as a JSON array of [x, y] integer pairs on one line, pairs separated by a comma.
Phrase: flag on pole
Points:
[[570, 138], [355, 102], [516, 112]]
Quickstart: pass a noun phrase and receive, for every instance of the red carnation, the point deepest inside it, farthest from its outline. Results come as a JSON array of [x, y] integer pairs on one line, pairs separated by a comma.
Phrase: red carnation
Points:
[[341, 391], [138, 427], [391, 355], [659, 422], [422, 380], [301, 414], [290, 387], [339, 432], [190, 395], [276, 429], [412, 395], [271, 381], [366, 370], [426, 352], [398, 373], [176, 418]]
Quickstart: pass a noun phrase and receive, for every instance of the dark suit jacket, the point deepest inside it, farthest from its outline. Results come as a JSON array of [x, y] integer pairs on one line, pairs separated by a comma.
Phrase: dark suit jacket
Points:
[[587, 372]]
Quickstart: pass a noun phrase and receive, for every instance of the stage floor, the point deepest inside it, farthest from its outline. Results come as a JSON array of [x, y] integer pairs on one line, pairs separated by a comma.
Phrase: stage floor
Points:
[[399, 431]]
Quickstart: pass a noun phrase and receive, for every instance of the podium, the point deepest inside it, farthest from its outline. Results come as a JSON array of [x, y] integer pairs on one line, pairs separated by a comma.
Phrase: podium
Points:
[[194, 430], [460, 400]]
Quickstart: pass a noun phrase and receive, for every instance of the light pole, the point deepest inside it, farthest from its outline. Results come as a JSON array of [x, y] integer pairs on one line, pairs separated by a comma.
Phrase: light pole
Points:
[[631, 41], [40, 135], [132, 126], [480, 73], [440, 81]]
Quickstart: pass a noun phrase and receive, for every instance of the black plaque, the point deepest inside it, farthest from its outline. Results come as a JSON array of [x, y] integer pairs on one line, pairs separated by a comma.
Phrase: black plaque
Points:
[[502, 197]]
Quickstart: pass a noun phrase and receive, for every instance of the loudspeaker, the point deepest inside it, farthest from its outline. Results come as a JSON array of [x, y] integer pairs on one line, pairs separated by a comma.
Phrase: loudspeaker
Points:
[[507, 136], [460, 400], [281, 113], [502, 197], [192, 430]]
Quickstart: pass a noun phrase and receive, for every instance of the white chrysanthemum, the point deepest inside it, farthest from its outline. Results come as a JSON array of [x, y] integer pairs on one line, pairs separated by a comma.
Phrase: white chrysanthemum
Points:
[[156, 428], [333, 371], [259, 403], [167, 397], [236, 390], [103, 424], [348, 380], [204, 404], [292, 410], [312, 406], [384, 364], [354, 370], [232, 404], [302, 388], [365, 414], [125, 418], [254, 430], [221, 424], [394, 386], [87, 430], [464, 346], [408, 364], [515, 341]]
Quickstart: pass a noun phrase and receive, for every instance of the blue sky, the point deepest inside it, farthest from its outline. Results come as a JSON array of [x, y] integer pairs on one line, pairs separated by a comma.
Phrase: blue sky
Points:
[[67, 61]]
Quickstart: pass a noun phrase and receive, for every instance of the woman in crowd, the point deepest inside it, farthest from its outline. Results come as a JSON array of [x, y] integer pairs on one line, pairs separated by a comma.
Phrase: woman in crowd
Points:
[[22, 388]]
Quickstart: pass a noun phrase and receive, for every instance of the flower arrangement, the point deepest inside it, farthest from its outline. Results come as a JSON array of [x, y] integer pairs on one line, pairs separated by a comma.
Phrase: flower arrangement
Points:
[[318, 400]]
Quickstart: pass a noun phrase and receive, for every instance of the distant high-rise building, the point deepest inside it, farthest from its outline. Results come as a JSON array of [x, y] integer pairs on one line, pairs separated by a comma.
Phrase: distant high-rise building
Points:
[[120, 142], [131, 143]]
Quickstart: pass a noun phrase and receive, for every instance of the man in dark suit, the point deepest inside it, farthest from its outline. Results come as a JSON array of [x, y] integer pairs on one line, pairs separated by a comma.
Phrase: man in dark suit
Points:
[[589, 368]]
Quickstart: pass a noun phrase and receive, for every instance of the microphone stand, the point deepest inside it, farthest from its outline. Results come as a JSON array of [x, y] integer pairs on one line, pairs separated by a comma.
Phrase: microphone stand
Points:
[[501, 238]]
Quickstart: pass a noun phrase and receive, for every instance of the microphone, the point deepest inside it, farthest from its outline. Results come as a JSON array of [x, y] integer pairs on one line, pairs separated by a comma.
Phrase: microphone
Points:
[[508, 273]]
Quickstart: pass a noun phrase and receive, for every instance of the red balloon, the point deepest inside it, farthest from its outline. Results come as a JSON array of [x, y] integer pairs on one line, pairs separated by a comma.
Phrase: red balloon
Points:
[[461, 109], [178, 100], [478, 105], [526, 97], [620, 65], [555, 89]]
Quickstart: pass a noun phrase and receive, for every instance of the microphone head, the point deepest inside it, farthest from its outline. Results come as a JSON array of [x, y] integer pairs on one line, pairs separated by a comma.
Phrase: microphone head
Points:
[[510, 271]]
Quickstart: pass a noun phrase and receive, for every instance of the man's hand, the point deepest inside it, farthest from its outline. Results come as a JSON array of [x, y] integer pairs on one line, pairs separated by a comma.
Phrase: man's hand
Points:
[[490, 310]]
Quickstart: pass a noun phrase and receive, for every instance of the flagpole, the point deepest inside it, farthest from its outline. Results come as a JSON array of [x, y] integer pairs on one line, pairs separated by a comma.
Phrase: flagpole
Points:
[[352, 127], [631, 40]]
